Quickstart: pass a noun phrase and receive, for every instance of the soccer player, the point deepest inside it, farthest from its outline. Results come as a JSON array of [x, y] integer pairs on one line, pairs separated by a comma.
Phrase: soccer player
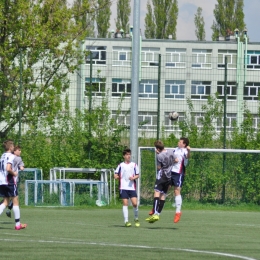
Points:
[[181, 154], [164, 161], [8, 183], [127, 172], [17, 165]]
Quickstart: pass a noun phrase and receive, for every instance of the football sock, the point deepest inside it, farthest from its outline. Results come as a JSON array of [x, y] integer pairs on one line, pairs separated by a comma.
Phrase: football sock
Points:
[[16, 211], [125, 213], [135, 212], [156, 202], [2, 207], [178, 202], [161, 204], [10, 205]]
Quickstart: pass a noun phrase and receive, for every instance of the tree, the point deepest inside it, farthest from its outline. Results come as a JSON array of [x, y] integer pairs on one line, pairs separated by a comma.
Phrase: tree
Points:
[[229, 15], [199, 24], [87, 17], [103, 17], [123, 13], [149, 23], [42, 36], [161, 19]]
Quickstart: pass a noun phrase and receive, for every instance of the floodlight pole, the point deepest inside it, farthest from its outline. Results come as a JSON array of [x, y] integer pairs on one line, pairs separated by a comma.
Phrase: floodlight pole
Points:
[[135, 82]]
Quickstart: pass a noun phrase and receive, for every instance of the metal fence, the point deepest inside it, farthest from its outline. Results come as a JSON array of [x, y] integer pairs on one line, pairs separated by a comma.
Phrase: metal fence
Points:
[[174, 81]]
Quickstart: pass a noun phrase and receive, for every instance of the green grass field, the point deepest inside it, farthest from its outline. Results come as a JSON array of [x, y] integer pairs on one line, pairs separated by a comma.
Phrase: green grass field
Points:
[[99, 233]]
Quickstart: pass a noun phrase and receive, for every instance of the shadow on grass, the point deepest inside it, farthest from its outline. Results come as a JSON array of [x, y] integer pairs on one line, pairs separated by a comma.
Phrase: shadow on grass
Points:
[[166, 228]]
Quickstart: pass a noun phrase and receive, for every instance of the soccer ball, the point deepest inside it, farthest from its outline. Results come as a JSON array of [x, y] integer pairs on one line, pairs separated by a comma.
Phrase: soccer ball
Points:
[[173, 116]]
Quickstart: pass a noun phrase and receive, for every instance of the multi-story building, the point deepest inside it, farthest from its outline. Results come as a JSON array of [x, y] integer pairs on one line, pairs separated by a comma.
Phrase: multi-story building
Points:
[[190, 70]]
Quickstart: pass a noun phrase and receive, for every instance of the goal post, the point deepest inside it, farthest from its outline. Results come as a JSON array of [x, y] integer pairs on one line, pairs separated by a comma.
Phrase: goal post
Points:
[[212, 176]]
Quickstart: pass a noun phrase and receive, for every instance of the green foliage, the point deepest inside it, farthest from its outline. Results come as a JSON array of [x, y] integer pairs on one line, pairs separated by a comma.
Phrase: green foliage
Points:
[[229, 15], [88, 139], [85, 17], [39, 38], [199, 24], [103, 17], [123, 15], [161, 19], [230, 178]]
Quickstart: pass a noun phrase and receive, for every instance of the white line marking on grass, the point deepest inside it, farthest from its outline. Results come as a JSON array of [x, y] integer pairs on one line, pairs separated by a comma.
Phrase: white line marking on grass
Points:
[[132, 246], [16, 234], [248, 225]]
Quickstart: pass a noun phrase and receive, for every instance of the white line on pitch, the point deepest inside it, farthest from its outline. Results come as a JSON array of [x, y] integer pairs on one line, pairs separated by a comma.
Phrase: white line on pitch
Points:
[[132, 246], [248, 225]]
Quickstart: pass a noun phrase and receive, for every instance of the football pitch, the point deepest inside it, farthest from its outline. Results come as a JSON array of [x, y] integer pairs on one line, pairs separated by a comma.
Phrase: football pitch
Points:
[[99, 233]]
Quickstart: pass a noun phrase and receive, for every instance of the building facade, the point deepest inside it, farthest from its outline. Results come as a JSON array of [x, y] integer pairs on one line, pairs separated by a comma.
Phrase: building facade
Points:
[[190, 72]]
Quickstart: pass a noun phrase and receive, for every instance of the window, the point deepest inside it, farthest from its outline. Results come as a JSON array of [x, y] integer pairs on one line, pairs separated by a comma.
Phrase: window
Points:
[[122, 56], [175, 89], [231, 59], [122, 117], [231, 121], [201, 59], [97, 88], [148, 89], [147, 120], [253, 60], [175, 58], [231, 90], [200, 89], [150, 57], [98, 54], [256, 121], [197, 119], [168, 123], [121, 87], [251, 91]]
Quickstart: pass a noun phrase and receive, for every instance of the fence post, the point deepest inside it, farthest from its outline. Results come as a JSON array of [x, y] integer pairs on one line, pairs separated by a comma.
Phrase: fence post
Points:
[[20, 95], [224, 135], [90, 104], [159, 98]]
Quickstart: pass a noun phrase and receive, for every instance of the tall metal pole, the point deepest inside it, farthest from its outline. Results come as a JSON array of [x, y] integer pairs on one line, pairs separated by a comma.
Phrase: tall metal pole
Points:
[[159, 98], [90, 105], [135, 82], [20, 97], [224, 136]]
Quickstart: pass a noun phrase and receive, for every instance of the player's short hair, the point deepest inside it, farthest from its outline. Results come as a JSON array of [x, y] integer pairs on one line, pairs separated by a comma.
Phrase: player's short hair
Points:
[[159, 145], [127, 150], [185, 140], [7, 144], [17, 147]]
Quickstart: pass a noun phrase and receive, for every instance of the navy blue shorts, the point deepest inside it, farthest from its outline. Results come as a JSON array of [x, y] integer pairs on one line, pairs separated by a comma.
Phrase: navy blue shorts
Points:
[[8, 191], [177, 179], [127, 194]]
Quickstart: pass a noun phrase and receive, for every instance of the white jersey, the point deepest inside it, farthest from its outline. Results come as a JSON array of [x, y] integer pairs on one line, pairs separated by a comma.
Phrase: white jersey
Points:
[[5, 177], [181, 154], [125, 171]]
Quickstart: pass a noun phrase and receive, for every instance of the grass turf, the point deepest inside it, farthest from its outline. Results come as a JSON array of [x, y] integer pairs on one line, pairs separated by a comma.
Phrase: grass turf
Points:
[[98, 233]]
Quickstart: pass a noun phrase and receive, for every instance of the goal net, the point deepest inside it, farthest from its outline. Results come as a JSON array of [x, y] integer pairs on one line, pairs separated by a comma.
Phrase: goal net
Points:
[[212, 175]]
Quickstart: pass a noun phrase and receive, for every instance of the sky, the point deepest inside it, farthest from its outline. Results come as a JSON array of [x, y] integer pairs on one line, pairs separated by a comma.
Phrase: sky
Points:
[[187, 11]]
